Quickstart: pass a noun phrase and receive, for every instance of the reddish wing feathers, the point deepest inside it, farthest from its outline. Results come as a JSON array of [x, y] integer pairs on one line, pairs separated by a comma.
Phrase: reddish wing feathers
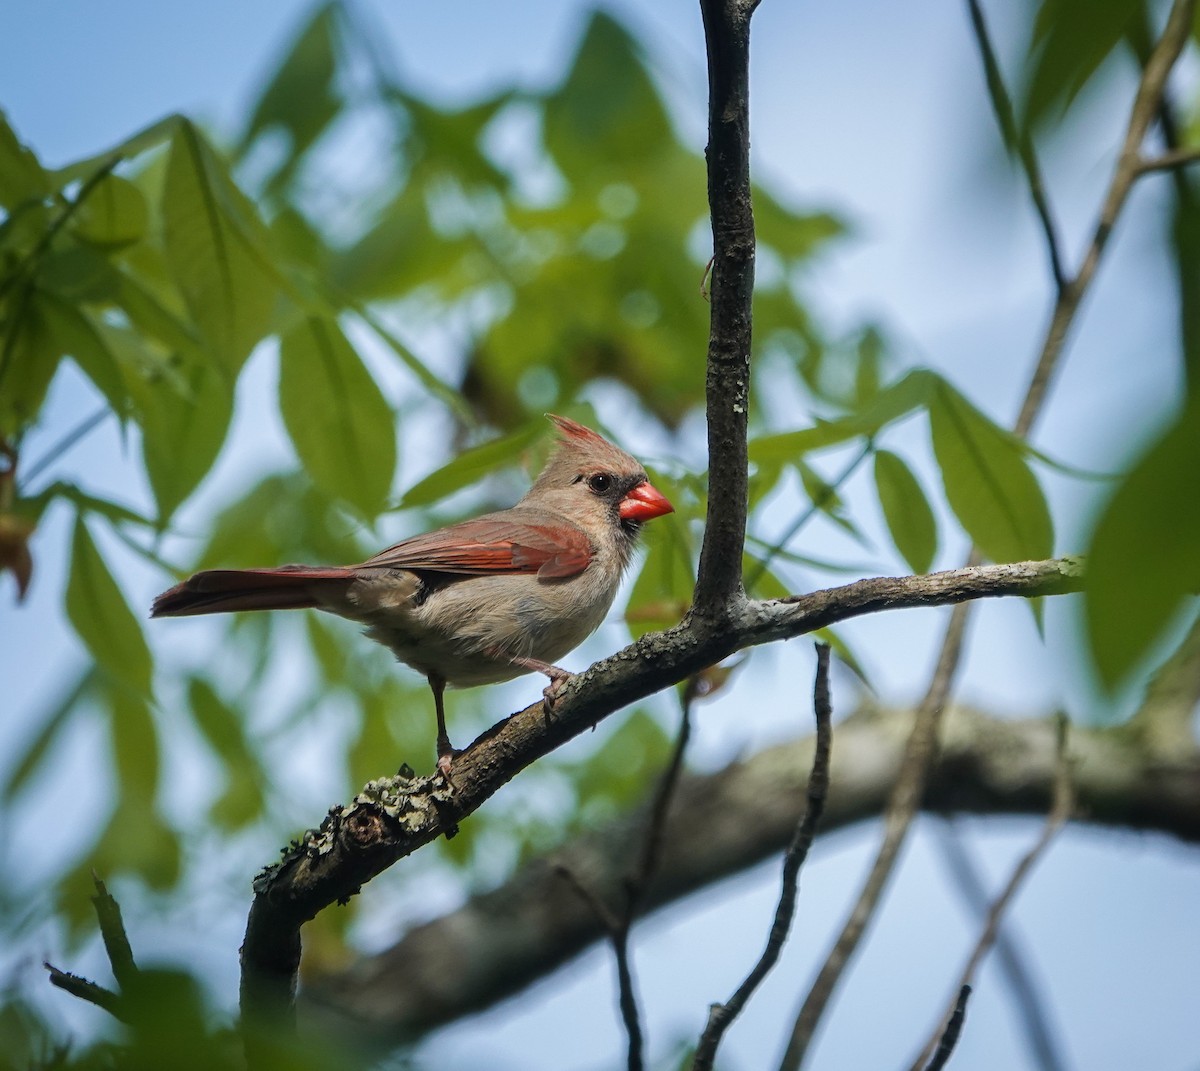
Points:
[[493, 545]]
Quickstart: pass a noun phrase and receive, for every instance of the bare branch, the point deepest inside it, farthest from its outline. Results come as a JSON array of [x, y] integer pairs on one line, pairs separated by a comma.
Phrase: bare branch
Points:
[[1044, 1046], [1018, 139], [924, 740], [618, 926], [112, 931], [1064, 804], [727, 38], [1145, 106], [393, 817], [721, 1016], [949, 1036], [720, 824], [905, 800], [1171, 160], [88, 991]]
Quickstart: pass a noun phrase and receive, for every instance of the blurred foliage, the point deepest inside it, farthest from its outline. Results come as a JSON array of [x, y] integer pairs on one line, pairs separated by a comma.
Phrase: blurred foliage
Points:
[[559, 231]]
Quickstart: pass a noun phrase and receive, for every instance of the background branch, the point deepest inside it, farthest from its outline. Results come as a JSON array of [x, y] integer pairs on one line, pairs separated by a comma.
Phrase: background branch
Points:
[[722, 1016], [1060, 812], [924, 739], [720, 824]]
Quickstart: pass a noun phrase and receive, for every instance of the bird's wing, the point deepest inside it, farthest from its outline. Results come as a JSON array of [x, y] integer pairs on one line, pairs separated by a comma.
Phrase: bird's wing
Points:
[[494, 544]]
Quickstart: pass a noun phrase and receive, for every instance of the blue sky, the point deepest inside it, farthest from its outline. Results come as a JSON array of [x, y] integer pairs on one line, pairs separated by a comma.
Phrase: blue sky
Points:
[[875, 110]]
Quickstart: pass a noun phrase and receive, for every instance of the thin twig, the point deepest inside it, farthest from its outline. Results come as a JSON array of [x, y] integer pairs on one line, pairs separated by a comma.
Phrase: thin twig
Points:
[[617, 926], [1145, 107], [904, 801], [1018, 139], [84, 428], [824, 497], [87, 990], [721, 1016], [949, 1036], [1060, 812], [112, 931], [923, 741], [1171, 160], [1044, 1048]]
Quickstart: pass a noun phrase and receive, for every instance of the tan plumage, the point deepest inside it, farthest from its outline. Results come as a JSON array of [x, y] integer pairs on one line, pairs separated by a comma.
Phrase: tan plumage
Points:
[[482, 601]]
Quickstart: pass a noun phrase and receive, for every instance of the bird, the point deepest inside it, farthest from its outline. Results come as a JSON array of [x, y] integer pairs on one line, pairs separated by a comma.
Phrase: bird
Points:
[[484, 600]]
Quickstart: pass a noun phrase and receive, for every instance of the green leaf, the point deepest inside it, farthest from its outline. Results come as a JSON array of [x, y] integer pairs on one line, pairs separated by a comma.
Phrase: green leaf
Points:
[[76, 336], [907, 395], [184, 410], [588, 131], [101, 617], [28, 359], [112, 215], [301, 98], [150, 137], [663, 589], [1072, 39], [217, 249], [988, 483], [1143, 563], [472, 465], [341, 425], [135, 743], [52, 726], [242, 800], [906, 510], [794, 234], [22, 177]]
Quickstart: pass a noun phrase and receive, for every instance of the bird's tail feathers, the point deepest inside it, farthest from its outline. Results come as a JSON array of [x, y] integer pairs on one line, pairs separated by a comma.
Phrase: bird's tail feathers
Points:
[[217, 591]]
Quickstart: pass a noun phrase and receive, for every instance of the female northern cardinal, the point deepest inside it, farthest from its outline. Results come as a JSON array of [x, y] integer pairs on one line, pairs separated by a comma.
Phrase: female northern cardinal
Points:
[[481, 601]]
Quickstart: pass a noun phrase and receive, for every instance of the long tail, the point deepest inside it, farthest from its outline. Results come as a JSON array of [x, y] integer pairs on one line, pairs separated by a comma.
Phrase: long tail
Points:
[[218, 591]]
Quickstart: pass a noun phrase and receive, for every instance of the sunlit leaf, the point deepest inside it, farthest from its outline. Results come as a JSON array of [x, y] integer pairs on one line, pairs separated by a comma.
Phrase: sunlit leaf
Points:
[[242, 799], [1071, 40], [1143, 563], [28, 359], [472, 465], [301, 97], [185, 411], [216, 247], [988, 483], [22, 177], [31, 760], [76, 336], [112, 214], [100, 615], [587, 130], [906, 510], [908, 394], [663, 589], [342, 427]]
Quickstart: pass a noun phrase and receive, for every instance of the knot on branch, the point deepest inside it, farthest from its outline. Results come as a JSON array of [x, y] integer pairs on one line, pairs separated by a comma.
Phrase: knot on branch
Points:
[[386, 814]]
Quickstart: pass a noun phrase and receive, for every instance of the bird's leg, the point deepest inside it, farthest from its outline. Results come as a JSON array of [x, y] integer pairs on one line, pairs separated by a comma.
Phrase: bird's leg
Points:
[[445, 751], [558, 676]]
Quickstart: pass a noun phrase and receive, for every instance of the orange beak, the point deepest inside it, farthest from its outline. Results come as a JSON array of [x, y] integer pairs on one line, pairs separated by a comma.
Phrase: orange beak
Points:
[[644, 503]]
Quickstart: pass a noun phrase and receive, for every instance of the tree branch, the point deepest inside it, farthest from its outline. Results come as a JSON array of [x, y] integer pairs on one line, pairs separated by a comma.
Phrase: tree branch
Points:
[[924, 739], [722, 823], [1060, 812], [1017, 139], [392, 818], [722, 1016], [727, 39], [949, 1038], [1030, 1004]]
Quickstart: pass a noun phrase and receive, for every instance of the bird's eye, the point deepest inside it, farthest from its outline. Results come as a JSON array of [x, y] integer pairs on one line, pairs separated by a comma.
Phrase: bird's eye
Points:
[[600, 482]]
